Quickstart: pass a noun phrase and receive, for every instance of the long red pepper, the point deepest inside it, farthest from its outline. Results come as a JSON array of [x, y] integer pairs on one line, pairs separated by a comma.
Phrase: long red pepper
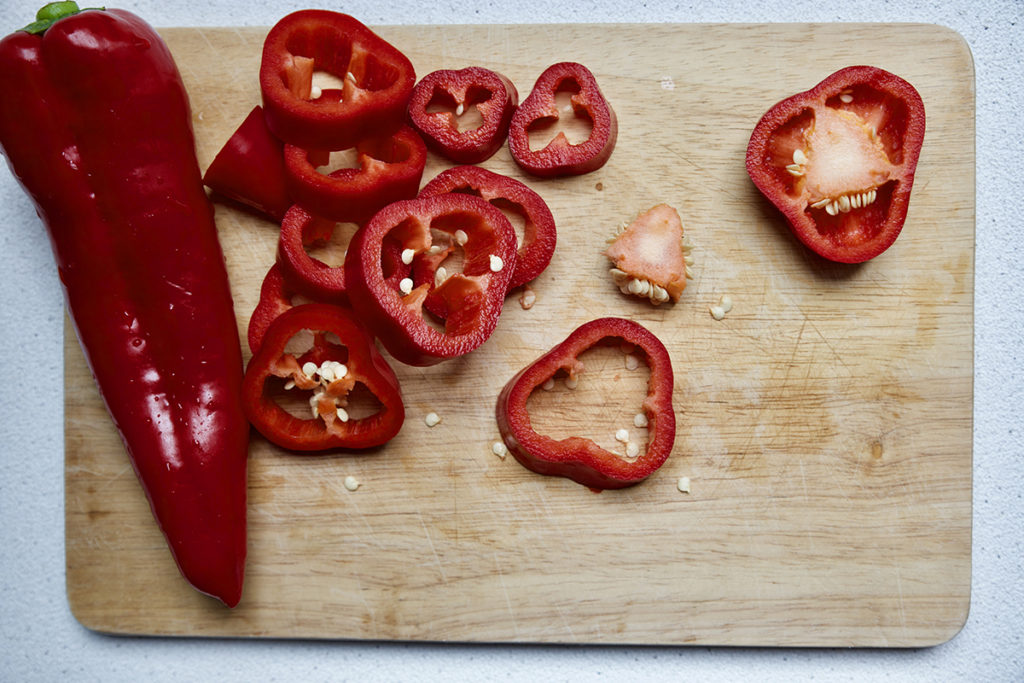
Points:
[[96, 126]]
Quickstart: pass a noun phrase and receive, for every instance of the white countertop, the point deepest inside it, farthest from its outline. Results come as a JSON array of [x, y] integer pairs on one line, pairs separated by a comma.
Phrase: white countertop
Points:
[[42, 641]]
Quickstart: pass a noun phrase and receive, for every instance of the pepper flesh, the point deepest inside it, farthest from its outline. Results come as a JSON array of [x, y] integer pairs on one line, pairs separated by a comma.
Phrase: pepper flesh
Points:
[[377, 80], [560, 157], [579, 458], [470, 301], [330, 427], [649, 257], [492, 94], [839, 161], [100, 138]]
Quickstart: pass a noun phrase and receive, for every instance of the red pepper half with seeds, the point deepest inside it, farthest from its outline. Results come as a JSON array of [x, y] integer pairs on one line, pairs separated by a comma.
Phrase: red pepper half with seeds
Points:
[[580, 458], [442, 97], [839, 160], [470, 301], [374, 81], [329, 382], [540, 109]]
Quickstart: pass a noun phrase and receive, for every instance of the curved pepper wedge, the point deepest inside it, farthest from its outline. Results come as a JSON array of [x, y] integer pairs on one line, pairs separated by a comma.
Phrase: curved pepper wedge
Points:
[[560, 157], [471, 301], [276, 297], [579, 458], [839, 160], [376, 81], [539, 233], [430, 112], [329, 372], [390, 168], [99, 135]]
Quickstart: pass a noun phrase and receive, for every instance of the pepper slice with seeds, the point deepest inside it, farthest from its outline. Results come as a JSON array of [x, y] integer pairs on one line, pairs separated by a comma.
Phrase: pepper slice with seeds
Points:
[[650, 256], [839, 161]]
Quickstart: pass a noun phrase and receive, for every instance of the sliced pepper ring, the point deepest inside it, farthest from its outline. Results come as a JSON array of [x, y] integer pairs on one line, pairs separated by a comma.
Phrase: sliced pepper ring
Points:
[[330, 426], [275, 298], [580, 458], [470, 301]]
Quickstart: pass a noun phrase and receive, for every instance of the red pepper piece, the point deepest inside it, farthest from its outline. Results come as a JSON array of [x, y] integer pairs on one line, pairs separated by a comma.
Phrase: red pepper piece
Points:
[[560, 157], [100, 137], [250, 168], [276, 297], [330, 424], [838, 161], [376, 81], [539, 234], [579, 458], [471, 301], [493, 96], [390, 168]]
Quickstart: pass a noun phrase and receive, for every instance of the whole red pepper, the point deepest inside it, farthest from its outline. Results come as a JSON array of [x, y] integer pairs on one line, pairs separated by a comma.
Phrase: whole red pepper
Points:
[[560, 157], [579, 458], [99, 135], [839, 160], [329, 370], [376, 81], [470, 301], [494, 97]]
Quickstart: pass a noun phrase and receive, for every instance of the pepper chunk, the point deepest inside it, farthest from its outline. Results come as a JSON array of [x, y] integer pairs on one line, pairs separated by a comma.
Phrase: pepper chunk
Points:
[[331, 372], [471, 301], [376, 81], [390, 168], [560, 157], [580, 458], [442, 97], [276, 297], [650, 256], [839, 160]]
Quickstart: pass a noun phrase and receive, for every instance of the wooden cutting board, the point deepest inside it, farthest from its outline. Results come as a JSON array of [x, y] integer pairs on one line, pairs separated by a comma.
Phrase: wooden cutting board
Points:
[[824, 423]]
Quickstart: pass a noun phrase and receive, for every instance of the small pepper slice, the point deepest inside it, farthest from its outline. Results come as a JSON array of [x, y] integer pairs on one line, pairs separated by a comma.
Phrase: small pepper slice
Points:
[[331, 371], [471, 301], [579, 458], [839, 161], [250, 168], [390, 168], [376, 81], [650, 256], [492, 94], [539, 234], [560, 157], [276, 297]]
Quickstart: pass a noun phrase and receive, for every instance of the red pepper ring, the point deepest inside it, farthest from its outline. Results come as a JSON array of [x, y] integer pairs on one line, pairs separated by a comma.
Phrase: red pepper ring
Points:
[[471, 301], [493, 95], [539, 234], [390, 168], [560, 157], [317, 370], [376, 78], [276, 297], [579, 458]]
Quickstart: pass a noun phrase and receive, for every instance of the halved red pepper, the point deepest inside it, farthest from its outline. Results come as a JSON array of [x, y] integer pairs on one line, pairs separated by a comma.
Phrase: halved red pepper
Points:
[[376, 81], [249, 168], [839, 160], [331, 372], [471, 301], [579, 458], [539, 234], [390, 168], [560, 157], [439, 92]]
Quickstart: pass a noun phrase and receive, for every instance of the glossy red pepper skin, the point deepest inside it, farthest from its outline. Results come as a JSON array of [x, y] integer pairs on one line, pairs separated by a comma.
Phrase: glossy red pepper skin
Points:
[[470, 301], [493, 95], [250, 168], [539, 232], [869, 99], [365, 366], [100, 138], [579, 458], [559, 157], [370, 103], [390, 168]]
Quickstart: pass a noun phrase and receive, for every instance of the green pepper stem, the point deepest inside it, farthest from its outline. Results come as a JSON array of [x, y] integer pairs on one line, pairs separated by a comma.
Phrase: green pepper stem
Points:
[[50, 14]]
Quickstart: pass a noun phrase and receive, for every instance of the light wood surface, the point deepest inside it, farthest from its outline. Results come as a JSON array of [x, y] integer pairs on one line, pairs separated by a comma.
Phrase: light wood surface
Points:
[[825, 423]]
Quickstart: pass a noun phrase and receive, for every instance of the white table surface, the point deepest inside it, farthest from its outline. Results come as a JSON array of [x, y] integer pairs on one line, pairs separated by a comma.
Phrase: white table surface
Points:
[[40, 639]]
